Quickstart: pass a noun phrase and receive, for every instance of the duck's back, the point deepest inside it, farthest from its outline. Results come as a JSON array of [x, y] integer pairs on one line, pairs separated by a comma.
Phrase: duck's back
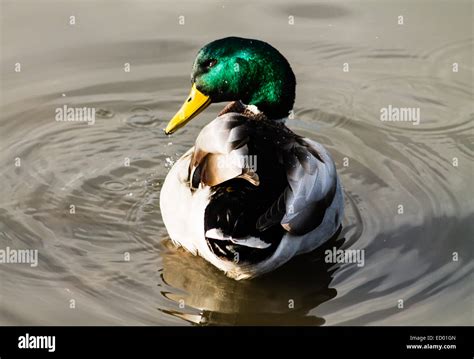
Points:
[[265, 181], [236, 156]]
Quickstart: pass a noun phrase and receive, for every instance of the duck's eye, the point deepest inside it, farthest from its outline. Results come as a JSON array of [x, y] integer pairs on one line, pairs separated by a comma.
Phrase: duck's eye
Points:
[[209, 63]]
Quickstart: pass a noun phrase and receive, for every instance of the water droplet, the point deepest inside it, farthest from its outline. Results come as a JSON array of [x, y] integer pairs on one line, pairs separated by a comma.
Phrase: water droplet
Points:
[[147, 208], [115, 186], [169, 162], [103, 113], [140, 109], [142, 120]]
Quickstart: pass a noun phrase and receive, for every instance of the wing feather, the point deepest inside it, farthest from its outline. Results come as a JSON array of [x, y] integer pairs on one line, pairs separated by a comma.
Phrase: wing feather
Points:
[[219, 150], [312, 185]]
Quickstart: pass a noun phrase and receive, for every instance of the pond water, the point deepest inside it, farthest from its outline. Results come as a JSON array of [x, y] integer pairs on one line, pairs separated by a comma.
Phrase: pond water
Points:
[[408, 187]]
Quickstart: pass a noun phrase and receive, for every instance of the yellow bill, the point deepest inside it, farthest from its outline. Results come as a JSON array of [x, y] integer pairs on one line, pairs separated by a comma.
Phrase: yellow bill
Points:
[[195, 103]]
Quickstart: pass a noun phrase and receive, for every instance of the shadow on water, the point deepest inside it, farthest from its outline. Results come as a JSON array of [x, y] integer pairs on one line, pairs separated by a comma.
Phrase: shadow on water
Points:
[[283, 297], [413, 271]]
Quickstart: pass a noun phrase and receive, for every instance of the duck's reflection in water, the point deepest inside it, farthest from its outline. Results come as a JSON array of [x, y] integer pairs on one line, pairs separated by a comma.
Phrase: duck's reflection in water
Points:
[[204, 295]]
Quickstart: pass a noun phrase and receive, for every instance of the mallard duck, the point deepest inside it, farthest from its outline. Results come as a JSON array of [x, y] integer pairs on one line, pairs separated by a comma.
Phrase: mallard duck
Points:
[[251, 194]]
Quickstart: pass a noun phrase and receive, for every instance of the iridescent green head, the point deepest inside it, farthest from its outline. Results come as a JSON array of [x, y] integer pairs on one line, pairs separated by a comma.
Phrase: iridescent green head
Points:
[[235, 68], [252, 71]]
